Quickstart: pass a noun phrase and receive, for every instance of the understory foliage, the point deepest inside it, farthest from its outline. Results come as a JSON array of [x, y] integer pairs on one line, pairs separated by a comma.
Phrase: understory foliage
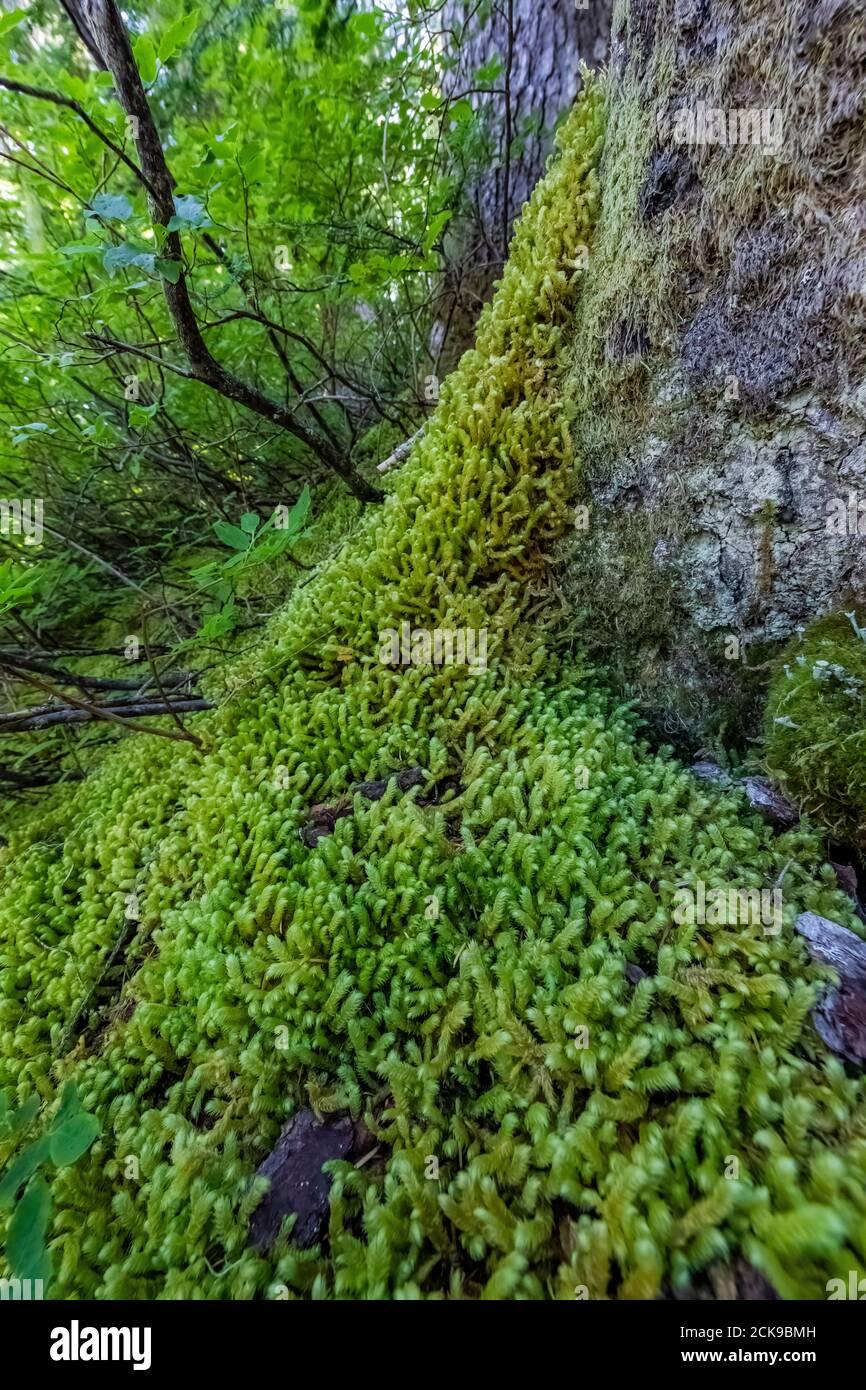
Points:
[[316, 169], [436, 969], [816, 724]]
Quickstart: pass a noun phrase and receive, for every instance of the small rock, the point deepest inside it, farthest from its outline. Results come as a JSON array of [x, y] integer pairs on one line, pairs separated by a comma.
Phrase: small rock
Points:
[[710, 772], [762, 795], [770, 803], [298, 1184], [840, 1014], [634, 974], [735, 1281], [846, 877]]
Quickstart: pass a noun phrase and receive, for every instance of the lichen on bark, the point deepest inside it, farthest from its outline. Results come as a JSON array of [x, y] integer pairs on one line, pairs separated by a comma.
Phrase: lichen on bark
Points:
[[720, 357]]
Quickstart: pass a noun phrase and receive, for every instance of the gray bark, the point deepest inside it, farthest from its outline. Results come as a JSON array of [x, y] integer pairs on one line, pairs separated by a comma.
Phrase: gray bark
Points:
[[541, 44], [720, 353]]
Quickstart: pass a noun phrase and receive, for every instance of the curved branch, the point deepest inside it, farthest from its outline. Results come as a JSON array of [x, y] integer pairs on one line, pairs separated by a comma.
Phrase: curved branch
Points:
[[102, 20], [43, 94]]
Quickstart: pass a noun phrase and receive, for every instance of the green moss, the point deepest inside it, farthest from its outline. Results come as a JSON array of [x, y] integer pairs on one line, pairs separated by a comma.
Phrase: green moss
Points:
[[816, 725], [583, 1125]]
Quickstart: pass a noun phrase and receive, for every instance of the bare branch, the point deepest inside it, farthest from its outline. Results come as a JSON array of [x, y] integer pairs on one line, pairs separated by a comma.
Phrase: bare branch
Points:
[[44, 716], [102, 20], [74, 710], [401, 453], [82, 682], [43, 94]]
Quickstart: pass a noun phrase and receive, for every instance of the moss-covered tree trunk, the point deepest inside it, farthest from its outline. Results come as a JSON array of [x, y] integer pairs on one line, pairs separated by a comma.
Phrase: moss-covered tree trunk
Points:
[[721, 353], [539, 46]]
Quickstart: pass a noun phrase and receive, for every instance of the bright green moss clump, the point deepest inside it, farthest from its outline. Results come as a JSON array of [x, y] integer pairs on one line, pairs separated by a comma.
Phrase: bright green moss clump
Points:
[[816, 725], [458, 973]]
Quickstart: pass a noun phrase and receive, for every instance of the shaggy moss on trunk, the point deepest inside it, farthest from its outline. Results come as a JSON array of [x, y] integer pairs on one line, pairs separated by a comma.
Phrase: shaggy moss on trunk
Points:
[[720, 352]]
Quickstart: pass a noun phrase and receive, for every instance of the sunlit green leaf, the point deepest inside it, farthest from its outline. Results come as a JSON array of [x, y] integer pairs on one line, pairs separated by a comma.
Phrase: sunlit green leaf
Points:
[[145, 58], [177, 34], [11, 20], [111, 205]]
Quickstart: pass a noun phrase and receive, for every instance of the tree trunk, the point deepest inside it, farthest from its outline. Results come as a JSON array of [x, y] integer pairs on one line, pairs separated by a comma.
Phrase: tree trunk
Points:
[[540, 45], [720, 352]]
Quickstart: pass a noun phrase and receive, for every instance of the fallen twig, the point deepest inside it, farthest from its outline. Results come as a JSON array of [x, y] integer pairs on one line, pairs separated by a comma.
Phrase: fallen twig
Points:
[[73, 710], [21, 721], [23, 780], [400, 454], [139, 683]]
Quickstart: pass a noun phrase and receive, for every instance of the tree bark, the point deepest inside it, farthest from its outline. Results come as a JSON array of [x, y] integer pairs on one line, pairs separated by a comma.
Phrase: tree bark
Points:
[[720, 352], [541, 45]]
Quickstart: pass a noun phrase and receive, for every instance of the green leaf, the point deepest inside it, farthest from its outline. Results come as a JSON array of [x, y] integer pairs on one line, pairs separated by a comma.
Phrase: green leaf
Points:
[[298, 514], [11, 20], [22, 1168], [188, 212], [491, 70], [25, 1240], [435, 226], [73, 1138], [18, 1121], [169, 270], [249, 522], [430, 102], [252, 161], [220, 623], [35, 427], [111, 205], [461, 110], [140, 416], [231, 535], [145, 58], [177, 34], [70, 1104], [82, 248], [365, 25], [127, 254]]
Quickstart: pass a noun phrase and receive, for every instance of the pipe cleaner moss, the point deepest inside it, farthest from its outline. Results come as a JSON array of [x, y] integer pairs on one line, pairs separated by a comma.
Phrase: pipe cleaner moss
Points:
[[571, 1089]]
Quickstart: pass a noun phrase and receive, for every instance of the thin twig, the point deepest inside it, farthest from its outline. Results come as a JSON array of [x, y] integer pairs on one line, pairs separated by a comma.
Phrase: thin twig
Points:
[[400, 454]]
